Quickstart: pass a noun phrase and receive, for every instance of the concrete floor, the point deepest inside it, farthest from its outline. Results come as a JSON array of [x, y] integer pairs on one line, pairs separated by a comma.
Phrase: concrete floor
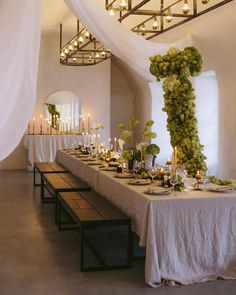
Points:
[[36, 259]]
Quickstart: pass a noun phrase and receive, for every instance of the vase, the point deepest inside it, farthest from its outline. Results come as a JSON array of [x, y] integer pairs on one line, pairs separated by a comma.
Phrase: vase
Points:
[[148, 161]]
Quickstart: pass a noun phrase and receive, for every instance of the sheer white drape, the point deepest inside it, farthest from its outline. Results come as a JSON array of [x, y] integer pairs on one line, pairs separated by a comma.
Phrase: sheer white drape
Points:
[[19, 48], [133, 49]]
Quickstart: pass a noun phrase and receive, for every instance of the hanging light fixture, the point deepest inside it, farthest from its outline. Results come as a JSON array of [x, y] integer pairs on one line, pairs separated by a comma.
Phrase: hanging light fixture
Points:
[[111, 10], [169, 16], [86, 34], [83, 49], [155, 24], [143, 30], [71, 48], [103, 53], [75, 43], [81, 39], [123, 5], [185, 7]]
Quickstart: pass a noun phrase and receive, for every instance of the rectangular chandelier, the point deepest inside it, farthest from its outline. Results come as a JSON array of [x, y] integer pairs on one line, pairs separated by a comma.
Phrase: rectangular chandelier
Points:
[[147, 18], [83, 49], [150, 18]]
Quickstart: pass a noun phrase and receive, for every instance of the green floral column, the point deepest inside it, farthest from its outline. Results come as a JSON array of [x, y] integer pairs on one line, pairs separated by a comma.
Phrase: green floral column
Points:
[[179, 99]]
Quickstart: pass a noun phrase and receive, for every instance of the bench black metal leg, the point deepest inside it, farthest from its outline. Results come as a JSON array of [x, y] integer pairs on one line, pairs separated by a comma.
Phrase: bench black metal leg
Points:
[[56, 208], [34, 176], [129, 245], [42, 188], [81, 249], [59, 213]]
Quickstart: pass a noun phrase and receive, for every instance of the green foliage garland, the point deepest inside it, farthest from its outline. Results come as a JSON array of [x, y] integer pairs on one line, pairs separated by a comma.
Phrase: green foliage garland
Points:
[[176, 67]]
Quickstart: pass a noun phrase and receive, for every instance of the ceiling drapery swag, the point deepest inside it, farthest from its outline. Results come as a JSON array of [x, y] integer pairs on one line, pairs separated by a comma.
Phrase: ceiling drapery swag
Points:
[[120, 40], [19, 47]]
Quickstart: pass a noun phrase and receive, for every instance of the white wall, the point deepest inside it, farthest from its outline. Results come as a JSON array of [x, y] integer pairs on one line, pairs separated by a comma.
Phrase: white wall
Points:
[[122, 99], [91, 84]]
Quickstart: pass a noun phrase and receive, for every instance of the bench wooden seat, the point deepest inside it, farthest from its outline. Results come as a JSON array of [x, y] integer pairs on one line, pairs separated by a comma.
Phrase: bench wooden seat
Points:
[[90, 209], [47, 167], [60, 182]]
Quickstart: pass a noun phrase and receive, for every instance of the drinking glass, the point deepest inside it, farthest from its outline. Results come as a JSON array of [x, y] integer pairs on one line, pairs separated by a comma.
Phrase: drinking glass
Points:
[[153, 172], [174, 181], [205, 178]]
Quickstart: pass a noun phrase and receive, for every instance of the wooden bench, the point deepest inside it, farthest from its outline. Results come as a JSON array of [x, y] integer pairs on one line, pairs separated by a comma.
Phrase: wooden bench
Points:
[[91, 210], [60, 182], [47, 167]]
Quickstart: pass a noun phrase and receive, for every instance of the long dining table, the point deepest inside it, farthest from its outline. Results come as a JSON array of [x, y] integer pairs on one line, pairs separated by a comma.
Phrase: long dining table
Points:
[[189, 236]]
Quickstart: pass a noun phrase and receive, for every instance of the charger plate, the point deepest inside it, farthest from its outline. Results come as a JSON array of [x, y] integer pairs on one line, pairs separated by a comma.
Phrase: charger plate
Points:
[[140, 182], [158, 191]]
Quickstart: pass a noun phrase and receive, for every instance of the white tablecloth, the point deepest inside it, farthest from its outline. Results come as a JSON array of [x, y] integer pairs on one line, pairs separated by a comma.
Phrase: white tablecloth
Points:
[[189, 237], [43, 148]]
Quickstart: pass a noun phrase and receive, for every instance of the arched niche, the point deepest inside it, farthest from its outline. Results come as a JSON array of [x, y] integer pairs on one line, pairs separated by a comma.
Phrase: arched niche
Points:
[[66, 105]]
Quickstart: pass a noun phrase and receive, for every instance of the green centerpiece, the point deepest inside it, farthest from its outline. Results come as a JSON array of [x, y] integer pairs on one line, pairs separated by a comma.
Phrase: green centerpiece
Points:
[[176, 67]]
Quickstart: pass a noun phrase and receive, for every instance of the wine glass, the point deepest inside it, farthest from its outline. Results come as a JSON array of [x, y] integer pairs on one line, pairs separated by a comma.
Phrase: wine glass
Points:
[[153, 172], [173, 181], [205, 178]]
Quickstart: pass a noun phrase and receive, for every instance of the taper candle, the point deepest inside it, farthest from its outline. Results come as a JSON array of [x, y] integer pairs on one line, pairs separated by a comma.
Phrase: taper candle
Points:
[[41, 124], [115, 144], [88, 123], [33, 125]]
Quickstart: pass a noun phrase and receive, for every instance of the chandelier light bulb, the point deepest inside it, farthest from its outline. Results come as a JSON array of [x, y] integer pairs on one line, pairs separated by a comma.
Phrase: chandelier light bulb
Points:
[[97, 55], [87, 34], [143, 30], [123, 5], [205, 1], [63, 55], [185, 7], [111, 10], [169, 16], [103, 53], [75, 43], [74, 59], [66, 51], [70, 48], [81, 39], [155, 24], [90, 58]]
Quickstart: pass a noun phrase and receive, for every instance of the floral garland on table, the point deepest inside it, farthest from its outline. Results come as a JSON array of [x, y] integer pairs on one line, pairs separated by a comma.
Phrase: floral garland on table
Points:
[[176, 67]]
